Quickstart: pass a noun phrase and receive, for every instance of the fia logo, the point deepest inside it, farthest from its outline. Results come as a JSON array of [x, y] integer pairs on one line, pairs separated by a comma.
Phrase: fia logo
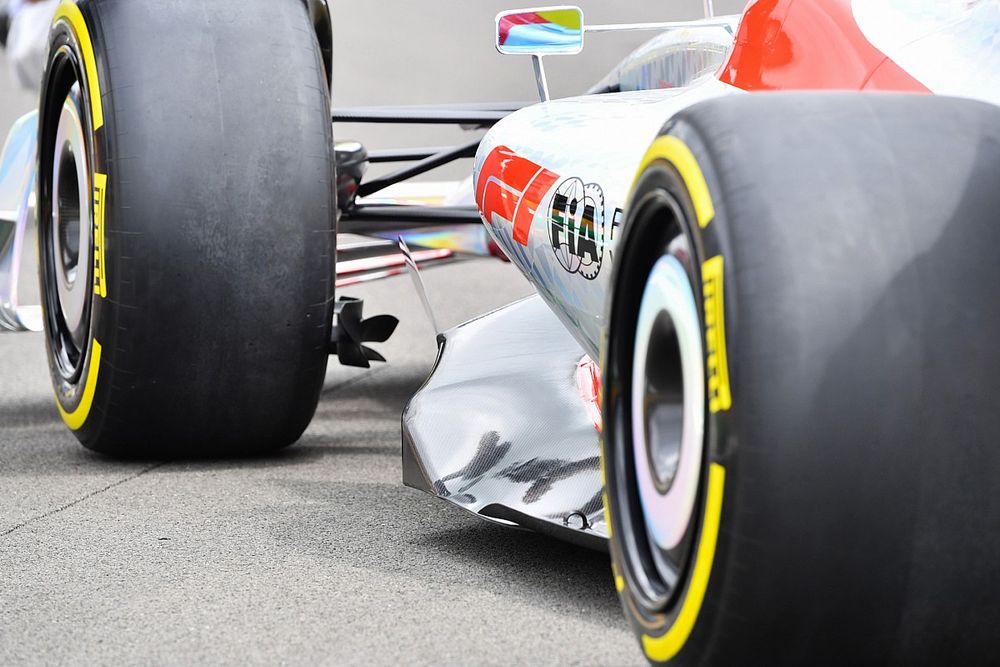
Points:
[[576, 227]]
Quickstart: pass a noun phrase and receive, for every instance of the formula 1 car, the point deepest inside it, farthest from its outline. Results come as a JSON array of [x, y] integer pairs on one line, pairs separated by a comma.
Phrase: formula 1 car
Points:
[[761, 366]]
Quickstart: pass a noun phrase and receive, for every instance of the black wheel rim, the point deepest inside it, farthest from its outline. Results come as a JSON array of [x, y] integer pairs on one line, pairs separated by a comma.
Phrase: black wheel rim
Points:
[[657, 465], [65, 212]]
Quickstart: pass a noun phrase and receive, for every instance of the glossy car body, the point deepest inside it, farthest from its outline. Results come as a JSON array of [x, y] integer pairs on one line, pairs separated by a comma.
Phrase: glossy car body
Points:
[[552, 183]]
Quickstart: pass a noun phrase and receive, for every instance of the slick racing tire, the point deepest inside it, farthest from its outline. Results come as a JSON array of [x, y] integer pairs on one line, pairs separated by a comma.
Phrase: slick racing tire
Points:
[[186, 223], [801, 384]]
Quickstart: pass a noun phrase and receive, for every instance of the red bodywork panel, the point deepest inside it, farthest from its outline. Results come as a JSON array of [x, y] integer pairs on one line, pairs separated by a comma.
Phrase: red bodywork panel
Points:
[[809, 45], [512, 187]]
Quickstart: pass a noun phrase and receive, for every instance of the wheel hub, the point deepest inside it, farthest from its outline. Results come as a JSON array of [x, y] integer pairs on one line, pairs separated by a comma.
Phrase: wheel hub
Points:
[[71, 228], [667, 421]]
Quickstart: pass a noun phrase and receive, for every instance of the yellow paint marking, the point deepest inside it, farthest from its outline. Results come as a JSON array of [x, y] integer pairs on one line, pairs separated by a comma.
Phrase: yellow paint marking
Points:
[[100, 266], [567, 18], [676, 152], [661, 649], [719, 396], [76, 419], [71, 13]]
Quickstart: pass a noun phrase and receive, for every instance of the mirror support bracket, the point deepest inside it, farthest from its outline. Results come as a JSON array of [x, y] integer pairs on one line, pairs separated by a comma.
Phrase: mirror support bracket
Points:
[[543, 85]]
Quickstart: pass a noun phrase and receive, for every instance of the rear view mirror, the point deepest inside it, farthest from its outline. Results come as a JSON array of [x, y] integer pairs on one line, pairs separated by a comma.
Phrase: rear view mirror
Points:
[[544, 31]]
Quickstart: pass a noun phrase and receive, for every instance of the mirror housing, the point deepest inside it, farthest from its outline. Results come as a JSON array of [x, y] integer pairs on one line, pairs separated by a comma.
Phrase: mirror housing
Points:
[[542, 31]]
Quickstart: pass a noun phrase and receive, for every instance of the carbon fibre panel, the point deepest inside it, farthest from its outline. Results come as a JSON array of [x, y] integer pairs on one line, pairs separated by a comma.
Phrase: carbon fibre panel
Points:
[[500, 427]]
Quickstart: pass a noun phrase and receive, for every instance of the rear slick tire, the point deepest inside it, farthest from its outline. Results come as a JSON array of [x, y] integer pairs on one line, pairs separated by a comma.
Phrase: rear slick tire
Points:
[[186, 224], [842, 256]]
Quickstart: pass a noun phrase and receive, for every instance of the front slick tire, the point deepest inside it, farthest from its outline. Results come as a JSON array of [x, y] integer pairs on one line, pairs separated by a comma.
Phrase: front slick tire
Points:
[[842, 254], [186, 215]]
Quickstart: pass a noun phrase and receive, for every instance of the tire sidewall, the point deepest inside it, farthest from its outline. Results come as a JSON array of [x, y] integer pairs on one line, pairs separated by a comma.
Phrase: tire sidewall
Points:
[[630, 276], [71, 394]]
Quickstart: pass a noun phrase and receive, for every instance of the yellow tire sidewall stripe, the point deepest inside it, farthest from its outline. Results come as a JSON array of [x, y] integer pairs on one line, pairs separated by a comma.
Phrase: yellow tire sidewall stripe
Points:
[[676, 152], [71, 13], [78, 417], [668, 645]]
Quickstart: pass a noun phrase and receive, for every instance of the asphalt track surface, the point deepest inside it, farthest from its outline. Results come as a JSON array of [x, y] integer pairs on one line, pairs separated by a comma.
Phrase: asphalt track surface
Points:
[[316, 554]]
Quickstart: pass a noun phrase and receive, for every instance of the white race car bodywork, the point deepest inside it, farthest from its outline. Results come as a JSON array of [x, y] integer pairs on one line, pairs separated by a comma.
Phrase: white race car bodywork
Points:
[[588, 148], [950, 46], [593, 146]]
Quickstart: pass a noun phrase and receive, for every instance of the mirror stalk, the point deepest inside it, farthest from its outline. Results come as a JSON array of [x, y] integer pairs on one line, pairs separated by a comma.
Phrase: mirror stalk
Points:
[[624, 27], [543, 85], [552, 31]]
